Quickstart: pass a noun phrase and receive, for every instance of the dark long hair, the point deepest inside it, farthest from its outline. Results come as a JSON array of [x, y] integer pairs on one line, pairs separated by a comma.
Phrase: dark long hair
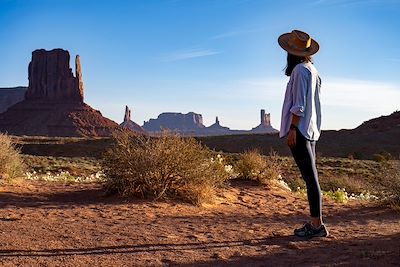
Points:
[[293, 60]]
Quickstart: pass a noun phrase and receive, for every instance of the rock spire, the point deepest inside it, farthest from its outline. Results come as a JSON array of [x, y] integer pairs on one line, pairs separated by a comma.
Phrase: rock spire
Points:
[[265, 124], [131, 125], [127, 116], [78, 75]]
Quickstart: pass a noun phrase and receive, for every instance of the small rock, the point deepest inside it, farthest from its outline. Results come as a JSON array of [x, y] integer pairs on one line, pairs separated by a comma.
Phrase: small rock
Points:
[[293, 245]]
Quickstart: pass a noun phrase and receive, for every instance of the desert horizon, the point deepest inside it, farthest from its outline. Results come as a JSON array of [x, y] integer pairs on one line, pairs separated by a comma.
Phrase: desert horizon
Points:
[[199, 133]]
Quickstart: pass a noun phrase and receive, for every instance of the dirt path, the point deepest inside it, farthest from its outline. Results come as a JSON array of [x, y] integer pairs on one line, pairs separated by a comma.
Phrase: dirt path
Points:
[[49, 224]]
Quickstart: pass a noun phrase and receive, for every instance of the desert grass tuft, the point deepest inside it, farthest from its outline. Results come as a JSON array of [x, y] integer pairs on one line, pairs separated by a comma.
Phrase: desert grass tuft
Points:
[[251, 165], [164, 166], [352, 184], [11, 163]]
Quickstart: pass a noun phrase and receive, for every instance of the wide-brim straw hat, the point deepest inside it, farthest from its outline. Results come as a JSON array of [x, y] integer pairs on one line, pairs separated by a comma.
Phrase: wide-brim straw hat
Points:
[[298, 43]]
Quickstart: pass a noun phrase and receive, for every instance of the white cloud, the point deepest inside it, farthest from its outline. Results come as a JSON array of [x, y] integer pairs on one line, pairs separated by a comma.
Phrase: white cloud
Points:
[[235, 33], [188, 54], [361, 95], [347, 103]]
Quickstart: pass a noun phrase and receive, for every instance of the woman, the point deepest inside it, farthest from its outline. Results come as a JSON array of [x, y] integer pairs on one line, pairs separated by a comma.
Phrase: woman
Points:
[[301, 120]]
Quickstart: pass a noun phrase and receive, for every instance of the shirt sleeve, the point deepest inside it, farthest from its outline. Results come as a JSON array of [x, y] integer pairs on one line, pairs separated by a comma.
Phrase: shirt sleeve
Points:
[[299, 92]]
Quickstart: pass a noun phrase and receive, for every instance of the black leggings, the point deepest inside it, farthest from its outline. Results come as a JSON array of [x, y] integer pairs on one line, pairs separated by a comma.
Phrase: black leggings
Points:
[[304, 155]]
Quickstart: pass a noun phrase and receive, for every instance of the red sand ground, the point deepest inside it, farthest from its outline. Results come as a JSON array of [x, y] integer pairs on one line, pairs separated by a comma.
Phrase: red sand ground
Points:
[[52, 224]]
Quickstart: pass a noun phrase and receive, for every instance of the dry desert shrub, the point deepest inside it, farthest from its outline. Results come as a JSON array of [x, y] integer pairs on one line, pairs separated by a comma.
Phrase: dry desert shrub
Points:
[[384, 156], [165, 166], [254, 166], [11, 163], [391, 184], [352, 184]]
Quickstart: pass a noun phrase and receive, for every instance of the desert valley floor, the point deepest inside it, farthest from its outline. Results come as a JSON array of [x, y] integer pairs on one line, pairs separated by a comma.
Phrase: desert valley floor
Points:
[[56, 224]]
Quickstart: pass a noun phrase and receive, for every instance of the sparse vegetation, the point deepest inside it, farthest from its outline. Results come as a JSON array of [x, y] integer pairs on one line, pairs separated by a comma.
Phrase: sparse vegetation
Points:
[[391, 184], [254, 166], [166, 166], [353, 184], [357, 176], [11, 163], [360, 178], [75, 166], [339, 195], [382, 157]]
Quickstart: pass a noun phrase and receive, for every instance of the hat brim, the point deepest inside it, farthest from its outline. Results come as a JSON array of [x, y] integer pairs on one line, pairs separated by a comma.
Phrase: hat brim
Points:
[[283, 41]]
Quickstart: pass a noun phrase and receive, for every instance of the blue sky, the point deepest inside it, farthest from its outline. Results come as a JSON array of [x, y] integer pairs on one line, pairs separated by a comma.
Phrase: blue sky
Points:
[[214, 57]]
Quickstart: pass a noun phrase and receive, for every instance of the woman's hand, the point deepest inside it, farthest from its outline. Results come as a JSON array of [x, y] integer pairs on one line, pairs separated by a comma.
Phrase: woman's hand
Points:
[[291, 138]]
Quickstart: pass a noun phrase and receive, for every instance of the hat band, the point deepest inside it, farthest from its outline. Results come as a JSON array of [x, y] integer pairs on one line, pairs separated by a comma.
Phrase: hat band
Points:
[[296, 43]]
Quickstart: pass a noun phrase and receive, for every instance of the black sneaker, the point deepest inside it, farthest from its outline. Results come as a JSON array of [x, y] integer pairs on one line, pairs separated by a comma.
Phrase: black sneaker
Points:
[[309, 231], [303, 228]]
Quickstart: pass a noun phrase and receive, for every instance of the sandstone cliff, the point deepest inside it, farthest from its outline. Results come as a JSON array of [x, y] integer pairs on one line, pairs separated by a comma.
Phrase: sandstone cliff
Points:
[[51, 78]]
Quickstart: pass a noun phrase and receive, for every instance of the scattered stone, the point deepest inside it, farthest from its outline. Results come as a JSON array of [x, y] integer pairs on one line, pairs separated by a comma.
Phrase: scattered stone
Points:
[[237, 254], [293, 245]]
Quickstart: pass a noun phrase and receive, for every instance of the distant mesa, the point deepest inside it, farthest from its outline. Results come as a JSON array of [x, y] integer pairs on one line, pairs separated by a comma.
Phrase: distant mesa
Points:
[[192, 124], [11, 96], [176, 122], [129, 124], [53, 103]]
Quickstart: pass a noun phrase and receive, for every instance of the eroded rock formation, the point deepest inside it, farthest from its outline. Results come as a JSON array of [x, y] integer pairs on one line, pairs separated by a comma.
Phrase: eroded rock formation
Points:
[[265, 124], [217, 129], [131, 125], [192, 124], [78, 75], [177, 122], [53, 104], [50, 77]]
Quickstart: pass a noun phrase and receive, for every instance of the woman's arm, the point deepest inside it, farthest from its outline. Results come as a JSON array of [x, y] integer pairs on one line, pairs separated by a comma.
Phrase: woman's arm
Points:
[[299, 94], [291, 139]]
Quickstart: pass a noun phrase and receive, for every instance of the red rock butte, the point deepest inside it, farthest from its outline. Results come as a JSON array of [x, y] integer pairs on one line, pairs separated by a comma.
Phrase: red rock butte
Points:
[[53, 104]]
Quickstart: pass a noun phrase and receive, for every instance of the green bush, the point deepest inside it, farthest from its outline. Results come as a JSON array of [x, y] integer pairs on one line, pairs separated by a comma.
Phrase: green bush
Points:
[[11, 163], [165, 166], [254, 166], [339, 195]]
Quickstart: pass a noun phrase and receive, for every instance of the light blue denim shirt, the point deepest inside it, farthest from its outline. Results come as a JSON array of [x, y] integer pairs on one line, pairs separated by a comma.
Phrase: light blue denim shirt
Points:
[[302, 98]]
